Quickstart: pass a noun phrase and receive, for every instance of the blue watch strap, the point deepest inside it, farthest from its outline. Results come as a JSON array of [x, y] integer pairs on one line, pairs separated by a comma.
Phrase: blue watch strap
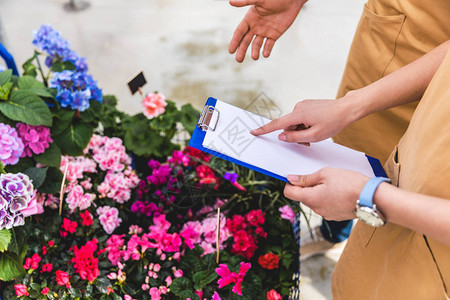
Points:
[[366, 196]]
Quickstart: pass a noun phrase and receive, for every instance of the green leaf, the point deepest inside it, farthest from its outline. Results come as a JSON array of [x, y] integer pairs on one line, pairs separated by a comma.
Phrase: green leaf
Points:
[[63, 119], [35, 286], [26, 107], [52, 182], [75, 292], [5, 238], [29, 83], [189, 117], [5, 76], [51, 157], [102, 283], [23, 164], [10, 266], [29, 68], [180, 284], [4, 90], [37, 175], [2, 168], [74, 139]]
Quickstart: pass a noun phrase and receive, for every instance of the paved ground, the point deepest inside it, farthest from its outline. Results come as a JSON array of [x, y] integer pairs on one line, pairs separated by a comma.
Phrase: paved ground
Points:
[[181, 45]]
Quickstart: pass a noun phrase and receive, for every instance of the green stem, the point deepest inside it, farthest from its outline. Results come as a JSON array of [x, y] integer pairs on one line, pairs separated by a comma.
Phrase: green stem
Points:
[[44, 79]]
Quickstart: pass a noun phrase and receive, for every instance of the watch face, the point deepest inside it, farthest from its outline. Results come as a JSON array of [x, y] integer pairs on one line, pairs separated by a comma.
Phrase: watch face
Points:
[[369, 216]]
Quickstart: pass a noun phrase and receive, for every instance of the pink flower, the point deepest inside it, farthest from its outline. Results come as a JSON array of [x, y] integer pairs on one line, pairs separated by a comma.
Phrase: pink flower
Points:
[[216, 296], [168, 280], [155, 293], [177, 273], [11, 146], [154, 105], [109, 218], [45, 291], [273, 295], [199, 293], [228, 277], [35, 138], [34, 207], [77, 199], [287, 213], [21, 290]]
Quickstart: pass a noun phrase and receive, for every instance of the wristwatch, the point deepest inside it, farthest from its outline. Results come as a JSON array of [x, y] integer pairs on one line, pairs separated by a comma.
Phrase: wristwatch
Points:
[[366, 210]]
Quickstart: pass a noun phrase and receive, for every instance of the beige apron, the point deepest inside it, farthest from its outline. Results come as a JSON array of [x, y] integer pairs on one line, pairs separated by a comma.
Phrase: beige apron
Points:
[[392, 262], [390, 34]]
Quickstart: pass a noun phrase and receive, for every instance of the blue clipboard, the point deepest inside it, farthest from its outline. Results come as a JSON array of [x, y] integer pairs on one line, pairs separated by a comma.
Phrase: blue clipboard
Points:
[[204, 124]]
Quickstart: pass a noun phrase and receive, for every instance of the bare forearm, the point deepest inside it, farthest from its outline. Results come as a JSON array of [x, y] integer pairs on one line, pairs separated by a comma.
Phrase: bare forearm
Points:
[[425, 214], [405, 85]]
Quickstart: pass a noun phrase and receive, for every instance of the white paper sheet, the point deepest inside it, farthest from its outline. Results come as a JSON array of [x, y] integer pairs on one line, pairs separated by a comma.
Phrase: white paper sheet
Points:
[[232, 137]]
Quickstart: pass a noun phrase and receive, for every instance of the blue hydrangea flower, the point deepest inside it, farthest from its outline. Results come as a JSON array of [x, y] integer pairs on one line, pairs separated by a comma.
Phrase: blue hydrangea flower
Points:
[[50, 41], [75, 89]]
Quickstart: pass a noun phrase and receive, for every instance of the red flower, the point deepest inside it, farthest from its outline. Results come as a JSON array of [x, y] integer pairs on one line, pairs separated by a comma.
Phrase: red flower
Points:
[[244, 244], [260, 231], [236, 223], [269, 261], [193, 152], [255, 217], [44, 250], [206, 175], [86, 265], [45, 291], [51, 243], [62, 278], [69, 226], [273, 295], [21, 290], [86, 218], [47, 268], [33, 262]]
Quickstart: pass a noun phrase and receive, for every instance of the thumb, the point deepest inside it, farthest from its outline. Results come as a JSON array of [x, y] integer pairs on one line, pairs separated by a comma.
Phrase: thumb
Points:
[[309, 180], [241, 3]]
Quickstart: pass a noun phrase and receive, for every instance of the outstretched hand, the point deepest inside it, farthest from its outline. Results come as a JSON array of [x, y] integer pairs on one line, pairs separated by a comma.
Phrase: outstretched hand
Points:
[[331, 193], [310, 121], [264, 23]]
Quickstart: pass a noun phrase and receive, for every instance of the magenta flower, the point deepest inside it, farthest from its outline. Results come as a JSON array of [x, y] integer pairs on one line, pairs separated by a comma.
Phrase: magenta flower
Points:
[[11, 146], [35, 138], [287, 213], [228, 277]]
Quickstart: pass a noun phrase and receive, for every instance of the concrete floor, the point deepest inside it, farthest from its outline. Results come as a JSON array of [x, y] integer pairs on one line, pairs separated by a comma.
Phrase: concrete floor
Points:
[[182, 48]]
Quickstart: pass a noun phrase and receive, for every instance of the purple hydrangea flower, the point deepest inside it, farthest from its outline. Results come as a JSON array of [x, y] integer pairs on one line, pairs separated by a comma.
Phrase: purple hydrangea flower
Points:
[[11, 146], [16, 192], [35, 138]]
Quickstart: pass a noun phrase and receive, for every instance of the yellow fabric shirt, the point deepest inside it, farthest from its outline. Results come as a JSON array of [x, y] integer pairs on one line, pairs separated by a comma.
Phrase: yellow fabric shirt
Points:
[[393, 262], [390, 34]]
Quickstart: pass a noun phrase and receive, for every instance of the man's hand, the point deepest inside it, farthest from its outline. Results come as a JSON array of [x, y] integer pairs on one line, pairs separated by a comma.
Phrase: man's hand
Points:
[[331, 193], [265, 20]]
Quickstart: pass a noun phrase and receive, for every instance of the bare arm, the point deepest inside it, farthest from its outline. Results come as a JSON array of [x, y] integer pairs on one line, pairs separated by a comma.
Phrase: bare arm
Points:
[[325, 118], [333, 193]]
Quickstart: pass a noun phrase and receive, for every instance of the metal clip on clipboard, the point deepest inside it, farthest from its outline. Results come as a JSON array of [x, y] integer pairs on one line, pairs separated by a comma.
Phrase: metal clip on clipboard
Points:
[[206, 117]]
